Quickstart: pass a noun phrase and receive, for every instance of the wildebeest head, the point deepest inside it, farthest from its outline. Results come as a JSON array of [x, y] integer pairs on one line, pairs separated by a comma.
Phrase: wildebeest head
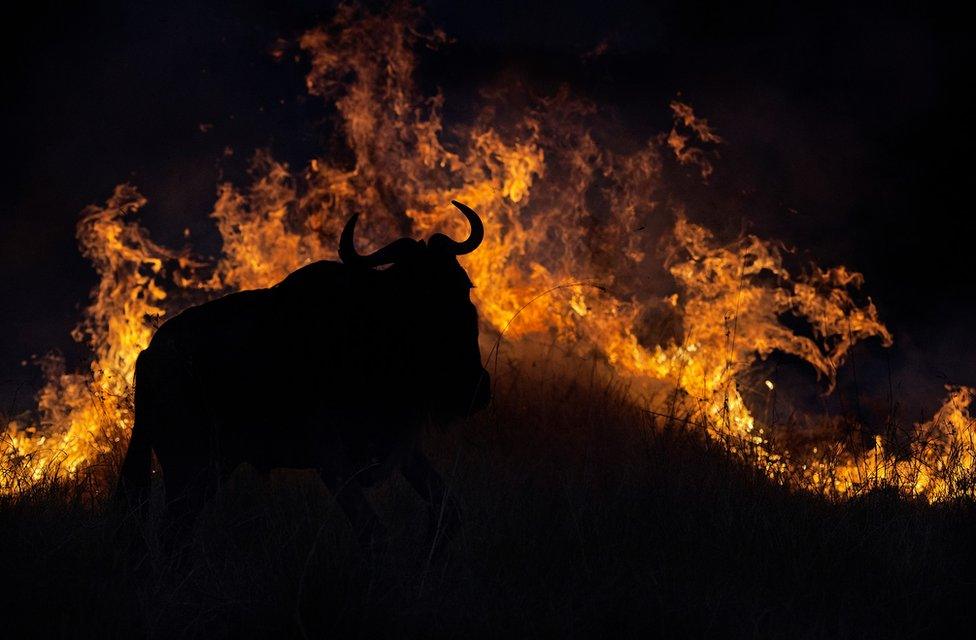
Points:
[[434, 295]]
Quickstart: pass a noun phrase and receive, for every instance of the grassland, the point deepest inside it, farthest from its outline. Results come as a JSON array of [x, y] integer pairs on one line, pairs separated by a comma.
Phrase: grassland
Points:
[[583, 516]]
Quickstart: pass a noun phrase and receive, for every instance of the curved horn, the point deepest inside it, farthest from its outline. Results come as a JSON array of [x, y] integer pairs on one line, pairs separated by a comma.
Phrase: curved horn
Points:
[[393, 252], [347, 248], [474, 239]]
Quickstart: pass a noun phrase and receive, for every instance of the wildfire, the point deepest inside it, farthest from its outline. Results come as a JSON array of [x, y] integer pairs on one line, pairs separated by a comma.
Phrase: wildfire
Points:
[[553, 264]]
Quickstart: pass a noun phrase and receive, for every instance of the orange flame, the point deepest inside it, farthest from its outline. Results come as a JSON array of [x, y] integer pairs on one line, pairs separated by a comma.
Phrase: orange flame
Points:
[[553, 264]]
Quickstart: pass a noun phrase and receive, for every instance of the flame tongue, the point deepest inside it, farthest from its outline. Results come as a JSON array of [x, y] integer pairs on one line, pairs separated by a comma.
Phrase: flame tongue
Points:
[[532, 179]]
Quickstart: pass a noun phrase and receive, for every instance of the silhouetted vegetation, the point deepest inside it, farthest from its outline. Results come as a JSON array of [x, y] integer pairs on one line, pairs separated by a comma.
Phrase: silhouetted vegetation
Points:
[[583, 516]]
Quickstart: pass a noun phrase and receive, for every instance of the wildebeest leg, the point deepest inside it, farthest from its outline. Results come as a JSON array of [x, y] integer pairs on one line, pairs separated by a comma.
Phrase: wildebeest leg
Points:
[[443, 511], [187, 490], [368, 528]]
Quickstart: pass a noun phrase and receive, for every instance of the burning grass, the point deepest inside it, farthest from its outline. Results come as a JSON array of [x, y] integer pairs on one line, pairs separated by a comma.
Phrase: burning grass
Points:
[[561, 205], [638, 494], [583, 515]]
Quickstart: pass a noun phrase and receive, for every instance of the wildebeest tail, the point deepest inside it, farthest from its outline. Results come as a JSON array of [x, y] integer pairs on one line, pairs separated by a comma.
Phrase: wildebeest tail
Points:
[[134, 477], [136, 471]]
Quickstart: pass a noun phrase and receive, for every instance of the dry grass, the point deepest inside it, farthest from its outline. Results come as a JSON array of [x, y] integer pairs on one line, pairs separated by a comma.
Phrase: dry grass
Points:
[[583, 516]]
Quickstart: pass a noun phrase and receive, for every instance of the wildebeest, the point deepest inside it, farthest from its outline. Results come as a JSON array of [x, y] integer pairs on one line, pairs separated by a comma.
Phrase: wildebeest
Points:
[[335, 368]]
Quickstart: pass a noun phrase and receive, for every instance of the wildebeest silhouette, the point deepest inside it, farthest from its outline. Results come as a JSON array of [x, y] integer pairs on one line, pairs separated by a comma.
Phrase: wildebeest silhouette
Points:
[[336, 367]]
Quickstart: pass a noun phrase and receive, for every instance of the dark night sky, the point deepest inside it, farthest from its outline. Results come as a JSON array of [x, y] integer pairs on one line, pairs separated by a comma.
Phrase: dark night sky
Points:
[[846, 127]]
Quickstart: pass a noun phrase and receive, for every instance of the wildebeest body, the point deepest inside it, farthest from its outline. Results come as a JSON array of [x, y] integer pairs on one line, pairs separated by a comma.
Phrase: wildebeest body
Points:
[[336, 368]]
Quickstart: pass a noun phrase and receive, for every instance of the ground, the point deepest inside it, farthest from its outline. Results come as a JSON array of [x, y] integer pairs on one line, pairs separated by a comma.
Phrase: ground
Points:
[[582, 516]]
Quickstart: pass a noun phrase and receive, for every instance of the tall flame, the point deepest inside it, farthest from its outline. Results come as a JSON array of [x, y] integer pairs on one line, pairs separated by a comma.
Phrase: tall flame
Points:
[[564, 257]]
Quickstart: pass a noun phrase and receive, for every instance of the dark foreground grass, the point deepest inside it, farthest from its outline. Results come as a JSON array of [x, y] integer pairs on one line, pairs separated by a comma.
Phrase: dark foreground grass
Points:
[[581, 518]]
